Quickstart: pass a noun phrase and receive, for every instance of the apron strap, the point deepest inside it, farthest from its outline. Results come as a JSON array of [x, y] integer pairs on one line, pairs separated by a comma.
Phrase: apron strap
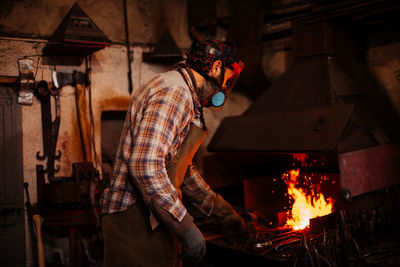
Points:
[[192, 89]]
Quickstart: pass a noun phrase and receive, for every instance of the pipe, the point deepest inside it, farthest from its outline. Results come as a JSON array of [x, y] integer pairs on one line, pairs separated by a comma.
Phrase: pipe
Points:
[[128, 52]]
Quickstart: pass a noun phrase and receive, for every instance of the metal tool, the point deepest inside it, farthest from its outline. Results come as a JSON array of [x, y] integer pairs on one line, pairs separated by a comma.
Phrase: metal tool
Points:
[[31, 226], [81, 101], [49, 128]]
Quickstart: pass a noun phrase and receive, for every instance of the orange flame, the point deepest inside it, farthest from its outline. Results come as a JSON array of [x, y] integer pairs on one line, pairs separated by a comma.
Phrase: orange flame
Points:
[[305, 207]]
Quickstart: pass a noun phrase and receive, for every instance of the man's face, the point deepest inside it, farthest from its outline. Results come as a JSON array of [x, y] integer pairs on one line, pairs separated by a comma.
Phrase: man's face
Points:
[[209, 88]]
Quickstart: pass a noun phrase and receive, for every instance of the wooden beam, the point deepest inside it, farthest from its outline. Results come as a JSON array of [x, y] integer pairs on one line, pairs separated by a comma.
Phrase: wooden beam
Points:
[[8, 79]]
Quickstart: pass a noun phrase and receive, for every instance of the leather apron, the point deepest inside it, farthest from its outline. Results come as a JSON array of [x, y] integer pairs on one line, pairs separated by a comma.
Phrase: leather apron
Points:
[[128, 237]]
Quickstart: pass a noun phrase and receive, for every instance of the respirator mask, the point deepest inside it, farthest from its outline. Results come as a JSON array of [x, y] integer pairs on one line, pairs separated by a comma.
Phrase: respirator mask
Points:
[[230, 70], [230, 77]]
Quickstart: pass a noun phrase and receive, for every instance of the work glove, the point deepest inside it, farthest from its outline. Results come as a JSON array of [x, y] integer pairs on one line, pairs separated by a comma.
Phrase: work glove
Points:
[[224, 215], [193, 244], [192, 240]]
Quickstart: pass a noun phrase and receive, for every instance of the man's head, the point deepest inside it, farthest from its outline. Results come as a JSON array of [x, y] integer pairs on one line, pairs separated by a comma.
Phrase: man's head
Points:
[[216, 62]]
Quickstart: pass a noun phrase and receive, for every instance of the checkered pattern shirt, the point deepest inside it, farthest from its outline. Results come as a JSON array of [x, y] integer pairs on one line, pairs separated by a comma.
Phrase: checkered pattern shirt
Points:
[[157, 122]]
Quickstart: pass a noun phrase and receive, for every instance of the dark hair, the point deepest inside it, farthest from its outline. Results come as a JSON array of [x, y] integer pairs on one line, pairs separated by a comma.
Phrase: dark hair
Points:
[[203, 54]]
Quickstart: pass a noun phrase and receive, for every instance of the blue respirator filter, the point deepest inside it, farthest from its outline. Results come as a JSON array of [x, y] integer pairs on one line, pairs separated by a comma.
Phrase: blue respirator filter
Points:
[[218, 99]]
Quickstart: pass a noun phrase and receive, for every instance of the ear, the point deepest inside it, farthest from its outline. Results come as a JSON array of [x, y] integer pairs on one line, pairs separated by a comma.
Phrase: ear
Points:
[[216, 68]]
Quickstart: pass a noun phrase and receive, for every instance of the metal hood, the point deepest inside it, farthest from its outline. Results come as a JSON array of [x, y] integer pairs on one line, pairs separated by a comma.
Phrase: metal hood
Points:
[[77, 35], [325, 102], [166, 51]]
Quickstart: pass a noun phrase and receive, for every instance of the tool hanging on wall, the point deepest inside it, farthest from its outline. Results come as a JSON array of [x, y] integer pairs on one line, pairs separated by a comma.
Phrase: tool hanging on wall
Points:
[[83, 112], [49, 128], [79, 80], [31, 226], [88, 71]]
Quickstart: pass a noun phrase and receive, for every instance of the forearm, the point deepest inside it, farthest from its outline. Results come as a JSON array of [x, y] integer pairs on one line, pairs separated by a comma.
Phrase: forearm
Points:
[[156, 189], [169, 221], [198, 192]]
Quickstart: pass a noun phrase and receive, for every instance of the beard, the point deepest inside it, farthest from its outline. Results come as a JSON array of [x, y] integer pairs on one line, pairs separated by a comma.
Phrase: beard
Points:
[[207, 91]]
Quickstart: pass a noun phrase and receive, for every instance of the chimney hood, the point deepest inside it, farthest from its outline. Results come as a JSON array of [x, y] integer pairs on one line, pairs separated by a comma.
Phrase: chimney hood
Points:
[[325, 102], [77, 35]]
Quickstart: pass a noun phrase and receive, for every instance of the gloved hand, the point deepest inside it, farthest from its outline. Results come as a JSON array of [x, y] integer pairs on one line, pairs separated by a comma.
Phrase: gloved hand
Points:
[[192, 240], [223, 214], [193, 244]]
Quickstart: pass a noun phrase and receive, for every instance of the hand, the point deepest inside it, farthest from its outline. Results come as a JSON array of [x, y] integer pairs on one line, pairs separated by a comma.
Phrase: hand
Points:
[[224, 215], [193, 244], [234, 223], [192, 240]]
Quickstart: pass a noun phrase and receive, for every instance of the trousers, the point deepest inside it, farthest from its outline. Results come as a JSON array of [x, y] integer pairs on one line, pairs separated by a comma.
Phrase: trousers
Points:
[[129, 241]]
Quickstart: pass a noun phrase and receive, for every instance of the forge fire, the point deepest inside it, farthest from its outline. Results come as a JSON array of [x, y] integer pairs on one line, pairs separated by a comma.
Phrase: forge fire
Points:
[[305, 205]]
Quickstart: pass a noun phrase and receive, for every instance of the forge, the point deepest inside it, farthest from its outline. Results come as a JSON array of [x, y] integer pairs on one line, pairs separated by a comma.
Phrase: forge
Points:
[[327, 120]]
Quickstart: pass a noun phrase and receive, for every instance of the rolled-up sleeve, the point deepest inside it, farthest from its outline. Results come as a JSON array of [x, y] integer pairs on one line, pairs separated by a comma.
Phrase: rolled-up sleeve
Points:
[[197, 191], [165, 113]]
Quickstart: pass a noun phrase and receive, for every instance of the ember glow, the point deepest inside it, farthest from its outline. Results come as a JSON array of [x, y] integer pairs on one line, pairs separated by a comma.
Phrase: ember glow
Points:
[[305, 206]]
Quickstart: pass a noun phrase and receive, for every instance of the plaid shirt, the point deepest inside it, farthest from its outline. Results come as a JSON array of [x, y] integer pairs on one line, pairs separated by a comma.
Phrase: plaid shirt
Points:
[[156, 124]]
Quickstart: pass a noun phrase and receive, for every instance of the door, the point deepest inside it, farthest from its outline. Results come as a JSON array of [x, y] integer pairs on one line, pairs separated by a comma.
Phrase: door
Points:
[[12, 227]]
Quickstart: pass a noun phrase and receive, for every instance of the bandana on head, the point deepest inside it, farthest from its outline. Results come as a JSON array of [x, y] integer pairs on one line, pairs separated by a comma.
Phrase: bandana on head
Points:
[[201, 59]]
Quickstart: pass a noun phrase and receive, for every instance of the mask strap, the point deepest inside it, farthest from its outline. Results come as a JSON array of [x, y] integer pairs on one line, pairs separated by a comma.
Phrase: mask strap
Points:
[[189, 72]]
